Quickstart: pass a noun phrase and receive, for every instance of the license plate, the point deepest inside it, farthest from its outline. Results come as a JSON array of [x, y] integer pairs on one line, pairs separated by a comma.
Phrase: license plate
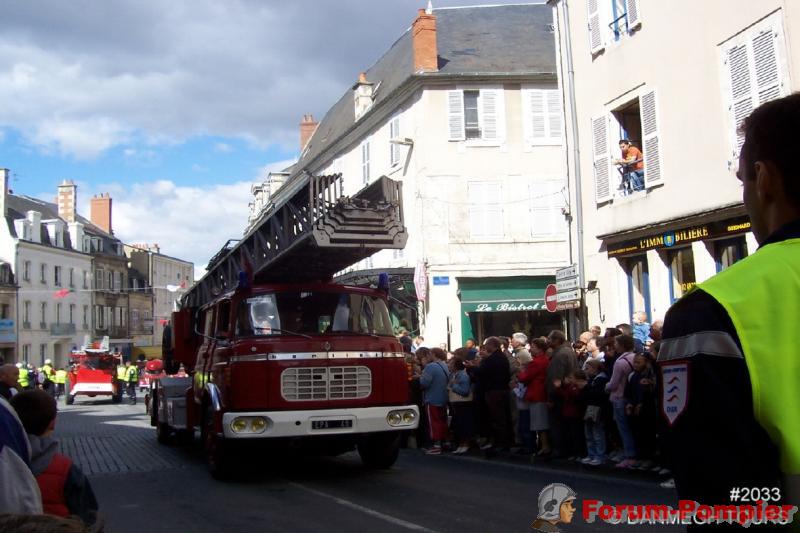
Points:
[[331, 424]]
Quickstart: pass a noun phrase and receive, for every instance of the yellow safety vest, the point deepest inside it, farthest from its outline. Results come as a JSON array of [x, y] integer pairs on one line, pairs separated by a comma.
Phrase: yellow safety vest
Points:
[[48, 371], [132, 374], [61, 377], [23, 377], [122, 373], [761, 294]]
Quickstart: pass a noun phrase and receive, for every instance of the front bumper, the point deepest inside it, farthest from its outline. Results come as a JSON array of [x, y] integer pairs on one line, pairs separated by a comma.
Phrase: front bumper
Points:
[[301, 423], [91, 388]]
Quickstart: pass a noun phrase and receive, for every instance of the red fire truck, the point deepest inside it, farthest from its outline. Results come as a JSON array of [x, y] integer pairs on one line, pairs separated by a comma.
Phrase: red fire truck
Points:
[[277, 353], [93, 372]]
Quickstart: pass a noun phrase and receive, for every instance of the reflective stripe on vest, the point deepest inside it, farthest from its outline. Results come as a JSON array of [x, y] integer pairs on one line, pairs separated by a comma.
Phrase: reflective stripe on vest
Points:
[[51, 484], [761, 294], [132, 375]]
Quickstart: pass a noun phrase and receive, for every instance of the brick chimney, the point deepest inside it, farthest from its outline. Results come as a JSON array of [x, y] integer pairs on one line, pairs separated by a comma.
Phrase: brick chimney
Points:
[[67, 197], [423, 40], [307, 128], [100, 212]]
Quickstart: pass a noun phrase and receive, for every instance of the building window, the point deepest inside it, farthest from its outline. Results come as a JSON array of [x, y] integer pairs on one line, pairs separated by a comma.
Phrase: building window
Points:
[[43, 351], [5, 311], [610, 20], [85, 317], [58, 313], [638, 285], [729, 251], [43, 273], [99, 318], [120, 320], [135, 319], [394, 148], [72, 314], [57, 276], [26, 271], [99, 276], [108, 316], [681, 272], [754, 71], [118, 281], [486, 210], [543, 116], [85, 279], [109, 280], [26, 314], [26, 352], [475, 114], [620, 173], [72, 277], [365, 162], [547, 204], [43, 315]]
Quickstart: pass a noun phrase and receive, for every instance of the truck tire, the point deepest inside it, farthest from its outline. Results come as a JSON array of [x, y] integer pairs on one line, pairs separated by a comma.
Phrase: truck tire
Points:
[[69, 399], [162, 433], [219, 459], [379, 450]]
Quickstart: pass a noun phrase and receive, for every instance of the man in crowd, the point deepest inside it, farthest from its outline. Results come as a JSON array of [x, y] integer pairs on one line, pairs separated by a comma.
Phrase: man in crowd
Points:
[[732, 418], [491, 379], [132, 380], [9, 378], [19, 493], [563, 363]]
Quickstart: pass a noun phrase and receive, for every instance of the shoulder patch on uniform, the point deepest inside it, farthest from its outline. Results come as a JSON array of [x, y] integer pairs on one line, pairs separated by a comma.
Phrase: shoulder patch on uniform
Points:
[[718, 343], [674, 390]]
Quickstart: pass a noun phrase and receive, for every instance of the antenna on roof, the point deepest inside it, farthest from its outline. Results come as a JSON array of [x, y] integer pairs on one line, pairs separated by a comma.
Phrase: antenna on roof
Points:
[[429, 9]]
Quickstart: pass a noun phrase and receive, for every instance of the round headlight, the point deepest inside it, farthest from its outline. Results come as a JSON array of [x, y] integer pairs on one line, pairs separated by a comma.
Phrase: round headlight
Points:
[[394, 418], [238, 425], [409, 417], [258, 424]]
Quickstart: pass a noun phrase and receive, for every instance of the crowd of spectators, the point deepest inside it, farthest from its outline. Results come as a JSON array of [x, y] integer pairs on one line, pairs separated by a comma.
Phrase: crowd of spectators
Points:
[[591, 401]]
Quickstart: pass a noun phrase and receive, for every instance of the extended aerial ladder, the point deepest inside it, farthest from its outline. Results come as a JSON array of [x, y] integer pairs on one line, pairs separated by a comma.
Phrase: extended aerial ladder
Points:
[[310, 232]]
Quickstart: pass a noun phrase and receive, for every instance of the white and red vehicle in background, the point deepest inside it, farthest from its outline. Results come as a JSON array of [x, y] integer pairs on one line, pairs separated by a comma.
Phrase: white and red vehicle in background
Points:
[[93, 372]]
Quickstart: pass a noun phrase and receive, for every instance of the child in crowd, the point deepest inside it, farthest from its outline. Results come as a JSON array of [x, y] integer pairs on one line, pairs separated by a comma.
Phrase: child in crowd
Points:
[[65, 489], [459, 391], [595, 398], [641, 330], [640, 406], [572, 411]]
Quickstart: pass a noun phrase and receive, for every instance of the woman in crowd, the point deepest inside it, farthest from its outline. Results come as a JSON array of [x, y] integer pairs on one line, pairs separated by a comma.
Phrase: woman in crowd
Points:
[[535, 377], [461, 406]]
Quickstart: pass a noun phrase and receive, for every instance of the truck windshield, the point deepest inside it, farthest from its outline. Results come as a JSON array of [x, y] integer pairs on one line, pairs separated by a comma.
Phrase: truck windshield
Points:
[[313, 313], [96, 362]]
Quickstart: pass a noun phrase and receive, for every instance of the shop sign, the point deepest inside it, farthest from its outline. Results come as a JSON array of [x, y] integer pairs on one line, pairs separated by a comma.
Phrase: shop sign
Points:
[[677, 237], [421, 281], [441, 280], [490, 307]]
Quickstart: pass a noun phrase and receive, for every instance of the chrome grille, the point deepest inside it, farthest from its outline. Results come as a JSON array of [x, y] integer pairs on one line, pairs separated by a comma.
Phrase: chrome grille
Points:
[[323, 383]]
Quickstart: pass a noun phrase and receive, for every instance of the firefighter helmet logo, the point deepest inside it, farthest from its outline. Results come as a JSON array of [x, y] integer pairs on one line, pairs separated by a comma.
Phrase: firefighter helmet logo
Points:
[[555, 507]]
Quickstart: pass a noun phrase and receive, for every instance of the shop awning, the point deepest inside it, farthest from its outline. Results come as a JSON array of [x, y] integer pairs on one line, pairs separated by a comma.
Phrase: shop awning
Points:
[[503, 294]]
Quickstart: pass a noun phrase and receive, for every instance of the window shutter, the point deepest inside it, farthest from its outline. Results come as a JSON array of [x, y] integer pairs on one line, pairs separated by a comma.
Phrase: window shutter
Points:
[[738, 67], [555, 118], [536, 122], [634, 17], [600, 156], [455, 115], [765, 59], [596, 43], [394, 133], [491, 120], [650, 139]]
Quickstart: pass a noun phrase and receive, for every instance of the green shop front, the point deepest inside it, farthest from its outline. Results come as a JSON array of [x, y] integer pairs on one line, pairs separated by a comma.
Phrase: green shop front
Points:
[[502, 306]]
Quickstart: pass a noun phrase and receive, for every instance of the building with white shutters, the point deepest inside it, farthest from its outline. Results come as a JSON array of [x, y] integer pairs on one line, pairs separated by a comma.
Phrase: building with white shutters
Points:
[[676, 78], [465, 110]]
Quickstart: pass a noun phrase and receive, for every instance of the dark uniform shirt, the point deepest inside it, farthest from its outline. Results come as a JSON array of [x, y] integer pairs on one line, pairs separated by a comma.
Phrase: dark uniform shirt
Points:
[[716, 443]]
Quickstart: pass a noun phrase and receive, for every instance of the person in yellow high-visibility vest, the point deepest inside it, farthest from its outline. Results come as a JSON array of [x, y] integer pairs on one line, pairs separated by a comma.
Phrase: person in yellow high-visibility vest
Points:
[[60, 379], [132, 380], [728, 359]]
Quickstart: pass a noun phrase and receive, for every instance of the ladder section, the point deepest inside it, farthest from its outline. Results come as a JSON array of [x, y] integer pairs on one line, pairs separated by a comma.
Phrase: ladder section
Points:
[[310, 233]]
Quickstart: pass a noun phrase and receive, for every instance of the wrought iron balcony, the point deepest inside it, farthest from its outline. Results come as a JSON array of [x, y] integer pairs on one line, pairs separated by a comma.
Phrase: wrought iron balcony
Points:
[[62, 330]]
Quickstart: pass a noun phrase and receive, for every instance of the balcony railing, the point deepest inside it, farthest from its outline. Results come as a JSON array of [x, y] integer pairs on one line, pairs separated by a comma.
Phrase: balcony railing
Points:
[[62, 330]]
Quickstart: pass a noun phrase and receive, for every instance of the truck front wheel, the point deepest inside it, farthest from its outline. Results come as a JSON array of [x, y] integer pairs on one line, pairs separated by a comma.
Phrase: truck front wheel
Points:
[[379, 450], [217, 449]]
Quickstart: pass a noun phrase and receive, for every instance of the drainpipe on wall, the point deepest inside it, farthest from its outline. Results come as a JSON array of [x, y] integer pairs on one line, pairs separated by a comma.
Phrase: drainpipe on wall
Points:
[[564, 31]]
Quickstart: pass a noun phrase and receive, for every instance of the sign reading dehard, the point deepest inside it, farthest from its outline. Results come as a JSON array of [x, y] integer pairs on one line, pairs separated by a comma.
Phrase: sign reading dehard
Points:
[[671, 238]]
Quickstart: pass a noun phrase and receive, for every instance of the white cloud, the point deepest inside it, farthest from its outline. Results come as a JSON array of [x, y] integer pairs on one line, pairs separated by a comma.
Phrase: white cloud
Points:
[[224, 148]]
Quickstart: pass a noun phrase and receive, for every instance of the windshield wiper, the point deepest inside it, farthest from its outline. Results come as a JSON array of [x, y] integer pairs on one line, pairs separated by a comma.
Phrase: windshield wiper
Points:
[[350, 332], [292, 333]]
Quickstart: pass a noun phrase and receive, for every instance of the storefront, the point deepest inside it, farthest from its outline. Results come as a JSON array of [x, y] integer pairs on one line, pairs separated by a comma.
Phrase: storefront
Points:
[[502, 306], [688, 251]]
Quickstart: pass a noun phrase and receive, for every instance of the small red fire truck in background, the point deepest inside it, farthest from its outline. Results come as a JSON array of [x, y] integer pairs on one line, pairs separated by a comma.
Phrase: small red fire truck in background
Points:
[[277, 353], [93, 372]]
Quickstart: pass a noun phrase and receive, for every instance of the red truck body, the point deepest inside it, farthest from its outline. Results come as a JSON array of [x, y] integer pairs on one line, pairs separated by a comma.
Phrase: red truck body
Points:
[[93, 372]]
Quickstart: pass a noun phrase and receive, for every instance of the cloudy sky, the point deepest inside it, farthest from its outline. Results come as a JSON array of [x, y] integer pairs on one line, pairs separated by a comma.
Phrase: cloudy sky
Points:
[[176, 107]]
